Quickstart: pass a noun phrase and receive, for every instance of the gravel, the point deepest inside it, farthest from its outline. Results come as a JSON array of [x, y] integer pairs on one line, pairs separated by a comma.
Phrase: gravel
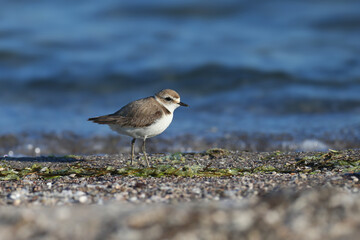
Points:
[[317, 204], [310, 214]]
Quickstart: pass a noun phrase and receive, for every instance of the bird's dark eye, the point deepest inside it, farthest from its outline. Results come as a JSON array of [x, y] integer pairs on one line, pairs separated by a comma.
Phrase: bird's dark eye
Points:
[[168, 99]]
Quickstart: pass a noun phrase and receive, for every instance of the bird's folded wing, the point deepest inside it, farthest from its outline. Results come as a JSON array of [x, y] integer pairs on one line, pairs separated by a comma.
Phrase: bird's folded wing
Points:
[[140, 113]]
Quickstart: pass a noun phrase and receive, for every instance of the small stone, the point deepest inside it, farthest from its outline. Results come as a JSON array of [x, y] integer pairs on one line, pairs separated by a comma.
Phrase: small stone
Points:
[[83, 199], [336, 178], [355, 179], [303, 176], [16, 202], [14, 195], [32, 176], [133, 199], [196, 190]]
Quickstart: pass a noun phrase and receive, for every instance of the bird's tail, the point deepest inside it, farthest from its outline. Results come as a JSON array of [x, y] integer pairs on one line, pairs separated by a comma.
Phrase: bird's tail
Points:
[[107, 119]]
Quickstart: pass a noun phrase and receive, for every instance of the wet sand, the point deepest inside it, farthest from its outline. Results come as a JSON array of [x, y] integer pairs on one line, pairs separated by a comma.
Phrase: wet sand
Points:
[[217, 194], [44, 144]]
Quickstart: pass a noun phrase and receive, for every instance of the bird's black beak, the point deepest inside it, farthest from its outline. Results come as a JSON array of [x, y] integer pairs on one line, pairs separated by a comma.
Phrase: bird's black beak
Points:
[[183, 104]]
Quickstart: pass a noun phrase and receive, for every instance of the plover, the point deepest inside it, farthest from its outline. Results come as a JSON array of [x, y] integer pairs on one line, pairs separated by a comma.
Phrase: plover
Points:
[[143, 118]]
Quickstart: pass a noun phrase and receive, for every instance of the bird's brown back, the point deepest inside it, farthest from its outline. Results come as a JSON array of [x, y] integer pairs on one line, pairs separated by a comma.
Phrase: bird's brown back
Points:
[[140, 113]]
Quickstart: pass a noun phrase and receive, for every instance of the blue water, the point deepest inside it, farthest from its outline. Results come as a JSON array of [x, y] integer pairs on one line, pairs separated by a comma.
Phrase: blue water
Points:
[[281, 66]]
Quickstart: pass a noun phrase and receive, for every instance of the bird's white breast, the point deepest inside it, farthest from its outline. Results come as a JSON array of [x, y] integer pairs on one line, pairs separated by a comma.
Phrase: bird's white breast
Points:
[[160, 125], [146, 132]]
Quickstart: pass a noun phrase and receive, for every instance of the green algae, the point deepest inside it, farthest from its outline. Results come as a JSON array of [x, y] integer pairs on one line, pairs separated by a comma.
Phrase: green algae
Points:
[[174, 158], [77, 170], [71, 156], [332, 160], [265, 168], [310, 164], [217, 152], [9, 174], [272, 155]]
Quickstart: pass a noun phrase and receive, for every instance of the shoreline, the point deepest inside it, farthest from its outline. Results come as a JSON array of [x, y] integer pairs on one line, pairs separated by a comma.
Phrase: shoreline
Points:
[[64, 143]]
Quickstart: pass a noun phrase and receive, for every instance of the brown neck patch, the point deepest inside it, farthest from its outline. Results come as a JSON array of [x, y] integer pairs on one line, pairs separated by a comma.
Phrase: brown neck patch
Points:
[[160, 102], [165, 110]]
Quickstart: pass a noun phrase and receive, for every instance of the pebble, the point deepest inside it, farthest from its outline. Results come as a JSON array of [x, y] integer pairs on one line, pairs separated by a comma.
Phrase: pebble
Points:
[[83, 199], [303, 176], [247, 205], [355, 179], [104, 189], [280, 215]]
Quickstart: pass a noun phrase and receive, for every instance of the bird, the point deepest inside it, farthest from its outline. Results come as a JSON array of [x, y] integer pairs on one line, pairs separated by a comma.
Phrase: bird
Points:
[[143, 118]]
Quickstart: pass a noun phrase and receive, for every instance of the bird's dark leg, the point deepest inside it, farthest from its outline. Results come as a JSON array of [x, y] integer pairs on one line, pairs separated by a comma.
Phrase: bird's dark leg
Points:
[[144, 151], [132, 150]]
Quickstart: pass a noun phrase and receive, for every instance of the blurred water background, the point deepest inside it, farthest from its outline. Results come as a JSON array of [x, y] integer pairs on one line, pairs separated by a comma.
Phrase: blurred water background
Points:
[[258, 75]]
